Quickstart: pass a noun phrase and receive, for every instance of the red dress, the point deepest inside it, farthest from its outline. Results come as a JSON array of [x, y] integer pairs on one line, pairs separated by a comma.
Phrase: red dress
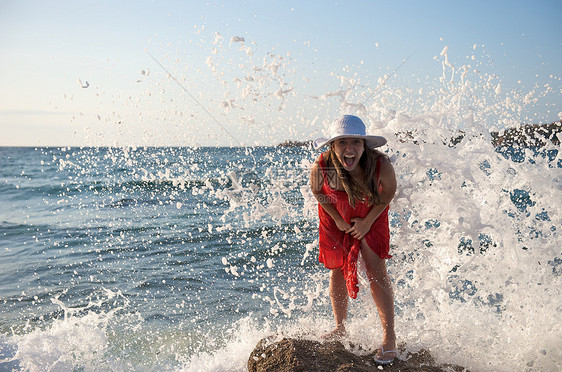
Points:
[[341, 250]]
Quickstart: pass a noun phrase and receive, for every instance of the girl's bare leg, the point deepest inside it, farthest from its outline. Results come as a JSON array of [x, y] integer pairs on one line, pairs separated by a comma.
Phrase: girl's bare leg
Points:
[[338, 295], [381, 290]]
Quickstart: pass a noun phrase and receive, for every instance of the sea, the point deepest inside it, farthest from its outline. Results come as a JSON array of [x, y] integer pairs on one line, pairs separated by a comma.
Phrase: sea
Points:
[[183, 258]]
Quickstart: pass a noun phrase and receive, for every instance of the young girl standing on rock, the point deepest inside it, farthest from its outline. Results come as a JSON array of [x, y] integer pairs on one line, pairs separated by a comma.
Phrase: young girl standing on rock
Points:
[[354, 184]]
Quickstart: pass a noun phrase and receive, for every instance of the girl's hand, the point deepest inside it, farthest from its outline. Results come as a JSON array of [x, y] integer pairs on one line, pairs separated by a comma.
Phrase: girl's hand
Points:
[[360, 228], [342, 225]]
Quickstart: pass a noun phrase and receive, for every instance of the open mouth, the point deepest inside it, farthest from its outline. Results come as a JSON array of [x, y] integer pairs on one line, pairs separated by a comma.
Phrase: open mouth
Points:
[[349, 160]]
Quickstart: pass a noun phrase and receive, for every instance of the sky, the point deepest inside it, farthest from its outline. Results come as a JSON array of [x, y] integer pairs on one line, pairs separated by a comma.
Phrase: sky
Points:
[[251, 72]]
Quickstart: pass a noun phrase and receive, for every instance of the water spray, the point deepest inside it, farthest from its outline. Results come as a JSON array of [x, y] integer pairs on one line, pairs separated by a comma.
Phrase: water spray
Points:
[[193, 98], [382, 83]]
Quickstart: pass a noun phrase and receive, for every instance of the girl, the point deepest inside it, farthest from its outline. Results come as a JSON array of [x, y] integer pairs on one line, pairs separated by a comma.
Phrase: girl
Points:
[[354, 184]]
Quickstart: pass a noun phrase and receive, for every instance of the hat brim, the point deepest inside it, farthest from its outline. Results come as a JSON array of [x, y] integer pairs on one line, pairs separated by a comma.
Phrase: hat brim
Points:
[[370, 141]]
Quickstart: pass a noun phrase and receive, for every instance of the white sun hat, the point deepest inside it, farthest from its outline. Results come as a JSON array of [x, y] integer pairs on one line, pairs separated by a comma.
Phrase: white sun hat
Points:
[[349, 126]]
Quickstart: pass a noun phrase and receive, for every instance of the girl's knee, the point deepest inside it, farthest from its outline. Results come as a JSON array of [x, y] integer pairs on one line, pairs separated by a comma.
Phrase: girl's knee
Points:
[[374, 275]]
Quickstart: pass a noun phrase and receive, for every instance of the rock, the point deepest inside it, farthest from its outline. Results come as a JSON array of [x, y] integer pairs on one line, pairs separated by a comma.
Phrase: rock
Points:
[[296, 355], [295, 144], [529, 135]]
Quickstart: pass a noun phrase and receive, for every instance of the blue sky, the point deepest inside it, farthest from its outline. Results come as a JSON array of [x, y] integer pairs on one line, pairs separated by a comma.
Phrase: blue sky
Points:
[[48, 45]]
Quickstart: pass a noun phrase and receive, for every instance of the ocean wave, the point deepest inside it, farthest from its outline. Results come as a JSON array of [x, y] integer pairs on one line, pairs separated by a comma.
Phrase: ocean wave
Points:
[[243, 242]]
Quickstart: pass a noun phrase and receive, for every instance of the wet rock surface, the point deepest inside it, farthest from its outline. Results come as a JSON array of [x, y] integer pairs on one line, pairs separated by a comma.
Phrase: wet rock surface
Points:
[[291, 354]]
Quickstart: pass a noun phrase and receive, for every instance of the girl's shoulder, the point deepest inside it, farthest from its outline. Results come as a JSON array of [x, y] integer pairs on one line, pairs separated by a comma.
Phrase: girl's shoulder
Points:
[[385, 160], [321, 162], [381, 158], [386, 170], [323, 159]]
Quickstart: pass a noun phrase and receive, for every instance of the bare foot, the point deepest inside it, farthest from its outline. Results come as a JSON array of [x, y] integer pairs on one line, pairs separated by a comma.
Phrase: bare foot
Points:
[[337, 334]]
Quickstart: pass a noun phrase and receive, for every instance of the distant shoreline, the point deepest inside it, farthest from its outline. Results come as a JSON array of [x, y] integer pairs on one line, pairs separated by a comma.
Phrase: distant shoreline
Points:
[[295, 144], [528, 135]]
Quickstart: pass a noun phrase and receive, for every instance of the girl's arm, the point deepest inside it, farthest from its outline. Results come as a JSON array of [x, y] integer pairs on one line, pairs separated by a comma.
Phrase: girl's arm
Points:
[[316, 182]]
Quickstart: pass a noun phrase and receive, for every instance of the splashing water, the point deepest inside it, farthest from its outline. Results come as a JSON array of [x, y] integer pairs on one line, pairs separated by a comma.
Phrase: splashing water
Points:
[[183, 258]]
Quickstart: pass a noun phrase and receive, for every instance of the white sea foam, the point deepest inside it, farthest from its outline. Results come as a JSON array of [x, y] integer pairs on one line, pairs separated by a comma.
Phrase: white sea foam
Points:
[[81, 338]]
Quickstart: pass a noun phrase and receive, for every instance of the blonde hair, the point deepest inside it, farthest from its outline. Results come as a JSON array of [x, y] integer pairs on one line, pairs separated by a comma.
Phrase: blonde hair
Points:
[[367, 188]]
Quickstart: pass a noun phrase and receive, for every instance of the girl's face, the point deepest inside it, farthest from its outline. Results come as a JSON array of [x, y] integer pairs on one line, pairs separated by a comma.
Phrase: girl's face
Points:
[[349, 151]]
